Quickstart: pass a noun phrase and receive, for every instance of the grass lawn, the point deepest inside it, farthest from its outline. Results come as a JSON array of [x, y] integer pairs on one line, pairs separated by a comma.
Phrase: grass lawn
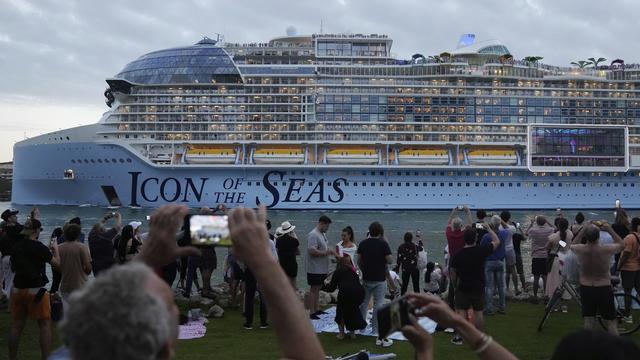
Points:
[[226, 339]]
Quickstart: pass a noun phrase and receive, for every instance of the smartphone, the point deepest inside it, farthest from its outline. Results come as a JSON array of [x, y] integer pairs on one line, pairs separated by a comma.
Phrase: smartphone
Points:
[[208, 230], [517, 225], [148, 217], [113, 214], [460, 207], [393, 316], [479, 226], [617, 204], [562, 243], [558, 210]]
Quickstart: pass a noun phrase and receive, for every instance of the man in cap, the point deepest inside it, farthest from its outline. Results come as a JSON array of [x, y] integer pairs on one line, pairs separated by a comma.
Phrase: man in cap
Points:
[[29, 298], [11, 234]]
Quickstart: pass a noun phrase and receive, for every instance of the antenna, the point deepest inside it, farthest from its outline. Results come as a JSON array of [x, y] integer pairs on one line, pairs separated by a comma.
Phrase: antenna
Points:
[[219, 37]]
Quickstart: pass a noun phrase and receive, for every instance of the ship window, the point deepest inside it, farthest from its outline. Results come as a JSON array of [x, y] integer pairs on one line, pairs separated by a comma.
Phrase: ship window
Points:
[[535, 184], [121, 160], [424, 184], [584, 184], [559, 184], [485, 184], [257, 183], [633, 185], [415, 184], [466, 184], [309, 183], [406, 184], [86, 161], [450, 184], [68, 138], [128, 160], [442, 173], [79, 161], [92, 161], [442, 184], [615, 184], [355, 183], [100, 161], [73, 161], [390, 184], [459, 184], [373, 184], [551, 184], [510, 184], [433, 184], [608, 185], [624, 184], [113, 160], [399, 184], [415, 173], [501, 184], [249, 183], [407, 173], [518, 184], [399, 173]]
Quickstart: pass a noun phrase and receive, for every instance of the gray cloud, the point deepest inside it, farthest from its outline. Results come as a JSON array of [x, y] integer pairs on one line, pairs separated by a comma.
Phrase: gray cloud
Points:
[[61, 51]]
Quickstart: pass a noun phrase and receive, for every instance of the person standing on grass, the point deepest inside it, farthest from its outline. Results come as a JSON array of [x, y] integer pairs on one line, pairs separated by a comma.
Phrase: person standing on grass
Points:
[[374, 255], [10, 236], [408, 263], [554, 247], [75, 262], [467, 273], [494, 267], [101, 242], [288, 248], [629, 265], [518, 238], [455, 243], [347, 245], [538, 232], [29, 298], [317, 261], [594, 261], [350, 297], [509, 251]]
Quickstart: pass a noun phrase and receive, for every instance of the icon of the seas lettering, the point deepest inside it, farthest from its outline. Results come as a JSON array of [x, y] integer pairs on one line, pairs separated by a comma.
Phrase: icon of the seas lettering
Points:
[[300, 190], [153, 189]]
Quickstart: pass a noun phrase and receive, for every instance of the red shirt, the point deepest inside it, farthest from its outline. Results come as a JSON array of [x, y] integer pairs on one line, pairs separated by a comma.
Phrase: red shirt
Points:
[[455, 240]]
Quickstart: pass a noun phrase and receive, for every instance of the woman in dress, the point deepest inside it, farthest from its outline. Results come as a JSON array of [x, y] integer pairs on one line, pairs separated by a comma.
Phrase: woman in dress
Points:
[[348, 246], [556, 244], [127, 245], [350, 296], [288, 247]]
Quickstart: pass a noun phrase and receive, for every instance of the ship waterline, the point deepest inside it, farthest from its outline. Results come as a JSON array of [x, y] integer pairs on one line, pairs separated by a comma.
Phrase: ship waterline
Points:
[[335, 122]]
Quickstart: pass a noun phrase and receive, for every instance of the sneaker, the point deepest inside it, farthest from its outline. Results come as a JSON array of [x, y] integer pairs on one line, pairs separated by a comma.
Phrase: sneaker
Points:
[[264, 326], [384, 342], [456, 340], [628, 319], [248, 326], [449, 330], [564, 309], [314, 317]]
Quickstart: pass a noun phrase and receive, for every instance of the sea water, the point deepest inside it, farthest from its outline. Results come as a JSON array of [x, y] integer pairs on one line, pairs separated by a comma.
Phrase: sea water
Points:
[[431, 223]]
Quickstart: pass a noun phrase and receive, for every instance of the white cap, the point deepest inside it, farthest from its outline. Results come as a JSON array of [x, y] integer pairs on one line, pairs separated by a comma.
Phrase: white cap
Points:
[[135, 224]]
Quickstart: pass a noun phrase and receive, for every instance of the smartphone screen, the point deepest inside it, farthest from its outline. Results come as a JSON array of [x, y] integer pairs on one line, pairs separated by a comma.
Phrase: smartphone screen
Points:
[[617, 203], [562, 243], [393, 316], [148, 217], [479, 226], [211, 230]]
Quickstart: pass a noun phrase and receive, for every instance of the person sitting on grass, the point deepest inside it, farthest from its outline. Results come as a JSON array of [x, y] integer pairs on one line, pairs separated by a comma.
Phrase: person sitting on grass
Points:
[[436, 309], [134, 303], [350, 296]]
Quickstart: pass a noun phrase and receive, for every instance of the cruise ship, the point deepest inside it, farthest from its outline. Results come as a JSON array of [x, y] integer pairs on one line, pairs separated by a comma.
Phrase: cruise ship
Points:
[[335, 121]]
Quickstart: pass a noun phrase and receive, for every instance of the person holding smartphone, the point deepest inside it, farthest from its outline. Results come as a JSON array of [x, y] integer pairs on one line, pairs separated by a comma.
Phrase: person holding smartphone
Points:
[[556, 245]]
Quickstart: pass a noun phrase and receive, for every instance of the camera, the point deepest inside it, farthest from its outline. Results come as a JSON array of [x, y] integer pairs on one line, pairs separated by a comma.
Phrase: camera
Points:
[[393, 316], [208, 230], [460, 207], [617, 204], [479, 226]]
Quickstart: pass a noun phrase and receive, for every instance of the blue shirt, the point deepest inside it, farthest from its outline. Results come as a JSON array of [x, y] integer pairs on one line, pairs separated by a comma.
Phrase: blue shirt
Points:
[[499, 252]]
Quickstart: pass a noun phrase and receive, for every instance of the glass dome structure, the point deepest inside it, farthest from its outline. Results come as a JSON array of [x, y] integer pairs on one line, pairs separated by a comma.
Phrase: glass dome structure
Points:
[[202, 63]]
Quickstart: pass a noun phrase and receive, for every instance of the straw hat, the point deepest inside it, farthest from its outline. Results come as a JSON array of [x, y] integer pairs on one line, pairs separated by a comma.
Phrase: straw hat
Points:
[[284, 228]]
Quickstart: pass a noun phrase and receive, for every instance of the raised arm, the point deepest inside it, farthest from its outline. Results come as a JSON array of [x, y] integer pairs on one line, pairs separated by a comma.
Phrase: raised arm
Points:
[[495, 241], [292, 326], [467, 211], [451, 215], [479, 342], [617, 240]]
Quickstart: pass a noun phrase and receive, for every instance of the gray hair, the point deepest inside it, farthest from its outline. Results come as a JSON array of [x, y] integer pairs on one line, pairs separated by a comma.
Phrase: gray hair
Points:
[[456, 223], [495, 222], [113, 317]]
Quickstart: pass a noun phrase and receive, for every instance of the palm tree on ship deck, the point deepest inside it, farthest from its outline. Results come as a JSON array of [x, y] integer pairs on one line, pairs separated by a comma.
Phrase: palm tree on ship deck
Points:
[[596, 62], [534, 60], [581, 64]]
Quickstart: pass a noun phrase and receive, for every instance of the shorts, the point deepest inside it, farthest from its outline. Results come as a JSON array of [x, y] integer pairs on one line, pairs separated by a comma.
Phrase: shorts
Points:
[[510, 258], [630, 280], [597, 300], [316, 279], [539, 266], [23, 305], [465, 301]]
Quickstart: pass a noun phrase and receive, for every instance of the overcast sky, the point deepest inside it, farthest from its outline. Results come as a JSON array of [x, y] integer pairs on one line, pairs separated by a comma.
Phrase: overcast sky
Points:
[[55, 54]]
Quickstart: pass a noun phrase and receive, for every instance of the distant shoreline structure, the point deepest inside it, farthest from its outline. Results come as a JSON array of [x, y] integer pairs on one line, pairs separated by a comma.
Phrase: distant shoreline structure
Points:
[[6, 175]]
